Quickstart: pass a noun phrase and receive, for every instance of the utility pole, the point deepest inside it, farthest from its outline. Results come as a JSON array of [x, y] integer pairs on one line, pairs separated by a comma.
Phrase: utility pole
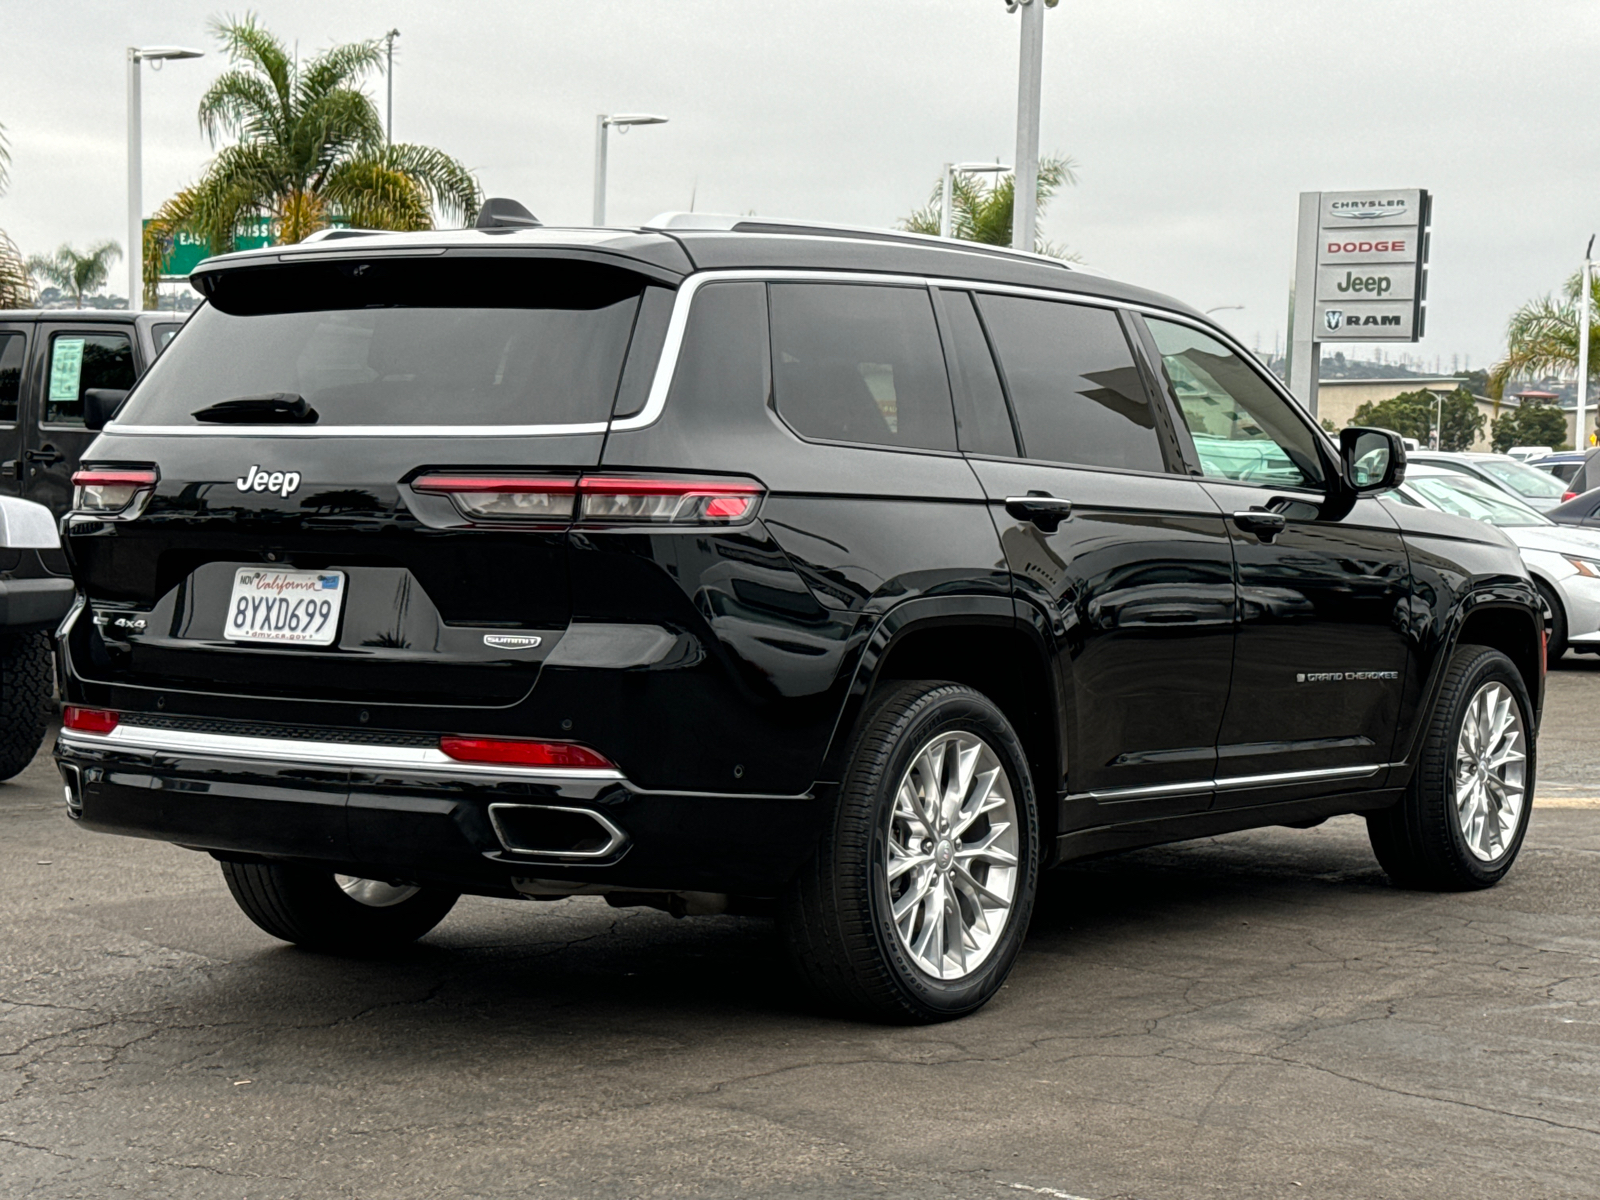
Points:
[[1581, 437], [388, 78], [1030, 73]]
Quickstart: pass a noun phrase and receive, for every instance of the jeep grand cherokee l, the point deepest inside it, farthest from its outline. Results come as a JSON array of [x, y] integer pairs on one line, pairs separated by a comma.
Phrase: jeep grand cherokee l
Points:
[[737, 566]]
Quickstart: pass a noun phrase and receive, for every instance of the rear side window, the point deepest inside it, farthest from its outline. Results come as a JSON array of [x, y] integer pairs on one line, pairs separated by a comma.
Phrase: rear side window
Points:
[[162, 334], [505, 341], [78, 362], [11, 345], [1074, 387], [860, 363]]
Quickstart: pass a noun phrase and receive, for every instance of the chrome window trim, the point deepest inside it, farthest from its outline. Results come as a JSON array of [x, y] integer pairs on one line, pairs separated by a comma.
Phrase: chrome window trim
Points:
[[137, 739], [672, 347], [392, 431], [1232, 782]]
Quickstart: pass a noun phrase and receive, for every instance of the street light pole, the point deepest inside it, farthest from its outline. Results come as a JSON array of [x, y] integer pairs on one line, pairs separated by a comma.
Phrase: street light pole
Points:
[[137, 55], [388, 78], [1581, 435], [135, 188], [602, 123], [1030, 72], [947, 192]]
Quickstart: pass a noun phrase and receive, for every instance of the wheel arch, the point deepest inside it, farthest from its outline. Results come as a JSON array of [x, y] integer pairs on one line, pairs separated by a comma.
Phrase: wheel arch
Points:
[[975, 641]]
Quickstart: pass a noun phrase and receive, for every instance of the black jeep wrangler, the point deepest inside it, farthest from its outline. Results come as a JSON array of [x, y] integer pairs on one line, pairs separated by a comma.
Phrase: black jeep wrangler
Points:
[[49, 362], [731, 566]]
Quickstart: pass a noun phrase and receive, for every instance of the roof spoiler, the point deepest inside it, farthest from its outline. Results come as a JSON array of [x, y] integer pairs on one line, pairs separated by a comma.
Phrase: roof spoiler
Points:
[[500, 213]]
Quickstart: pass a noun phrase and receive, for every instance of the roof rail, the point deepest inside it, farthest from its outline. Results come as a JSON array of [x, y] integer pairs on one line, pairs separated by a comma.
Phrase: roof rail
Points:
[[730, 223]]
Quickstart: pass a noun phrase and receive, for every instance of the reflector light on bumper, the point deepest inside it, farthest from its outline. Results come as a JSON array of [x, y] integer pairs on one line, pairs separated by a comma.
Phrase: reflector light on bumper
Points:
[[517, 752], [597, 499], [88, 720]]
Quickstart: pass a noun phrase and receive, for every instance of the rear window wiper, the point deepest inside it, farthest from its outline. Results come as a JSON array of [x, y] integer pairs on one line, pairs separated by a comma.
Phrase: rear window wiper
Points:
[[274, 408]]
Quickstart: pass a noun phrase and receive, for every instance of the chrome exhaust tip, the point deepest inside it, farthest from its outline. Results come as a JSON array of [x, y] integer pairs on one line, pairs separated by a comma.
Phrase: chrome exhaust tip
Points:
[[552, 831]]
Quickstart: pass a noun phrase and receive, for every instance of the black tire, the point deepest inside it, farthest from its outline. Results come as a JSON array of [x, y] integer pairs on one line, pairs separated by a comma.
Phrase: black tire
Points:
[[1555, 625], [837, 918], [1419, 842], [307, 907], [26, 686]]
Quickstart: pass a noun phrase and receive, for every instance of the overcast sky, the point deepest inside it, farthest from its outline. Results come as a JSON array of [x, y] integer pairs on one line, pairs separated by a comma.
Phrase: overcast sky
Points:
[[1194, 123]]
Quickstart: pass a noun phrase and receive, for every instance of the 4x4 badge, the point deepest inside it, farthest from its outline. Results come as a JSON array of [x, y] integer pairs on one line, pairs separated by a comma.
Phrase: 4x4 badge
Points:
[[511, 641], [285, 483]]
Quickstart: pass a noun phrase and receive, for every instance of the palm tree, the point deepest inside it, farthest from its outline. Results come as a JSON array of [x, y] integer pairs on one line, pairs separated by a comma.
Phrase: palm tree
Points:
[[16, 286], [981, 212], [309, 147], [77, 272], [1542, 337]]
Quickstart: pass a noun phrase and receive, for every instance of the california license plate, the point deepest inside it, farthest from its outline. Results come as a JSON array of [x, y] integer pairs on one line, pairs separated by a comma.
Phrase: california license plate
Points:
[[285, 606]]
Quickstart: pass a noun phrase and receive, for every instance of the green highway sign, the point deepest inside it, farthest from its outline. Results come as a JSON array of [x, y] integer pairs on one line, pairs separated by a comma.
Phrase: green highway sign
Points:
[[188, 250]]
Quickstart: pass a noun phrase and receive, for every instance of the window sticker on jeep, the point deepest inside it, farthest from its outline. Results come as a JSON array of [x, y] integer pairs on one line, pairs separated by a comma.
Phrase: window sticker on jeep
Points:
[[66, 369]]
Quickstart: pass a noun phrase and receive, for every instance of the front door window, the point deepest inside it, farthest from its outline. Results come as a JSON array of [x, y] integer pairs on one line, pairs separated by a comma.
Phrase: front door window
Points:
[[1242, 429]]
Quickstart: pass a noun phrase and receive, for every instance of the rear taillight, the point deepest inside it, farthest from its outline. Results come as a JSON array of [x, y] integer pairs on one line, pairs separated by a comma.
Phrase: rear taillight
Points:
[[520, 753], [108, 491], [520, 497], [598, 499], [606, 499], [1568, 496], [88, 720]]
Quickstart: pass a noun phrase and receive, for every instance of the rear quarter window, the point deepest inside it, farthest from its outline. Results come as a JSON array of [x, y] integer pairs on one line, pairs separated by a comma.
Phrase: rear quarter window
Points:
[[860, 363]]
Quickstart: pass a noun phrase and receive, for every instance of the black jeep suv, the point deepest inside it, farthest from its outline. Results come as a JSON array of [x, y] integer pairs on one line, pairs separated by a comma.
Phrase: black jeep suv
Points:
[[730, 566], [59, 368]]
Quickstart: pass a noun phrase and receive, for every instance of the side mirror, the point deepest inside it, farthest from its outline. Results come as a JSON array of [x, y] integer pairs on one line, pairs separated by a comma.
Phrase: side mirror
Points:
[[1372, 460], [100, 406], [25, 525]]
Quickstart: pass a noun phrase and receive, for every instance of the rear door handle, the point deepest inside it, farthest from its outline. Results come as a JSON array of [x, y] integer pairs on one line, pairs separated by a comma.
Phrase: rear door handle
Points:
[[1265, 525], [48, 455], [1044, 510]]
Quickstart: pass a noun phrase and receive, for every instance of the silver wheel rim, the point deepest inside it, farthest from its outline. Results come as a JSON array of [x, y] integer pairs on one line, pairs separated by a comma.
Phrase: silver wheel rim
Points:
[[950, 855], [375, 893], [1491, 772]]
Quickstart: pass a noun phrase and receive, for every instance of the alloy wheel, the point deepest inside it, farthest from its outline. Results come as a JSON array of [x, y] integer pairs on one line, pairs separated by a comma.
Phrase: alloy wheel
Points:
[[375, 893], [1491, 771], [950, 857]]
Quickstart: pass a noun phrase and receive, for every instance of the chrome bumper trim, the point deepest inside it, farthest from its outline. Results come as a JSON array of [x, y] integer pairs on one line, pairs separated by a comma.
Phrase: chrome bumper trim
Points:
[[136, 739]]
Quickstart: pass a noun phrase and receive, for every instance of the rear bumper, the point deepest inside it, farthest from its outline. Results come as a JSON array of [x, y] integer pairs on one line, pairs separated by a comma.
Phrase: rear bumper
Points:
[[395, 812], [35, 603]]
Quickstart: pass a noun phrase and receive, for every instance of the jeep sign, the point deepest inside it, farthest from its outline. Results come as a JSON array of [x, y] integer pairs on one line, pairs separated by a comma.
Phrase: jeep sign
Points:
[[1362, 281]]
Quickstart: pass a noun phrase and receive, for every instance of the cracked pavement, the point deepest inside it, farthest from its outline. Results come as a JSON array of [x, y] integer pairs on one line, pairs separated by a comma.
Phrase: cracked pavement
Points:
[[1259, 1015]]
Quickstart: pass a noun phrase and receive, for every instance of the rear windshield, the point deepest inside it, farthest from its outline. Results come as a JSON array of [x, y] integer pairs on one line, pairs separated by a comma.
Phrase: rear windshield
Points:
[[505, 341]]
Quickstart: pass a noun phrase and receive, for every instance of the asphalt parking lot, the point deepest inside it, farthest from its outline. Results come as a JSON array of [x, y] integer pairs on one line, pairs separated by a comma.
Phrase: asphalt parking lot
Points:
[[1259, 1015]]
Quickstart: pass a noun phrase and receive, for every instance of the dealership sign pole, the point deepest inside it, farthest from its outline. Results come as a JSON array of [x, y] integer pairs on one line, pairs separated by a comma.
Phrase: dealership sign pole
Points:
[[1361, 263]]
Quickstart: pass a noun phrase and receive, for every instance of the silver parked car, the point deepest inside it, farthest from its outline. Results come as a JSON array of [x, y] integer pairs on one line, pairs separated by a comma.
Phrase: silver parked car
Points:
[[1564, 562]]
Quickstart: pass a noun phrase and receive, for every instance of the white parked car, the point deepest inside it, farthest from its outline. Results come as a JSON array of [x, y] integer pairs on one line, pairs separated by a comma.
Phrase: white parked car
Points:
[[1528, 453], [1564, 562], [1538, 489]]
